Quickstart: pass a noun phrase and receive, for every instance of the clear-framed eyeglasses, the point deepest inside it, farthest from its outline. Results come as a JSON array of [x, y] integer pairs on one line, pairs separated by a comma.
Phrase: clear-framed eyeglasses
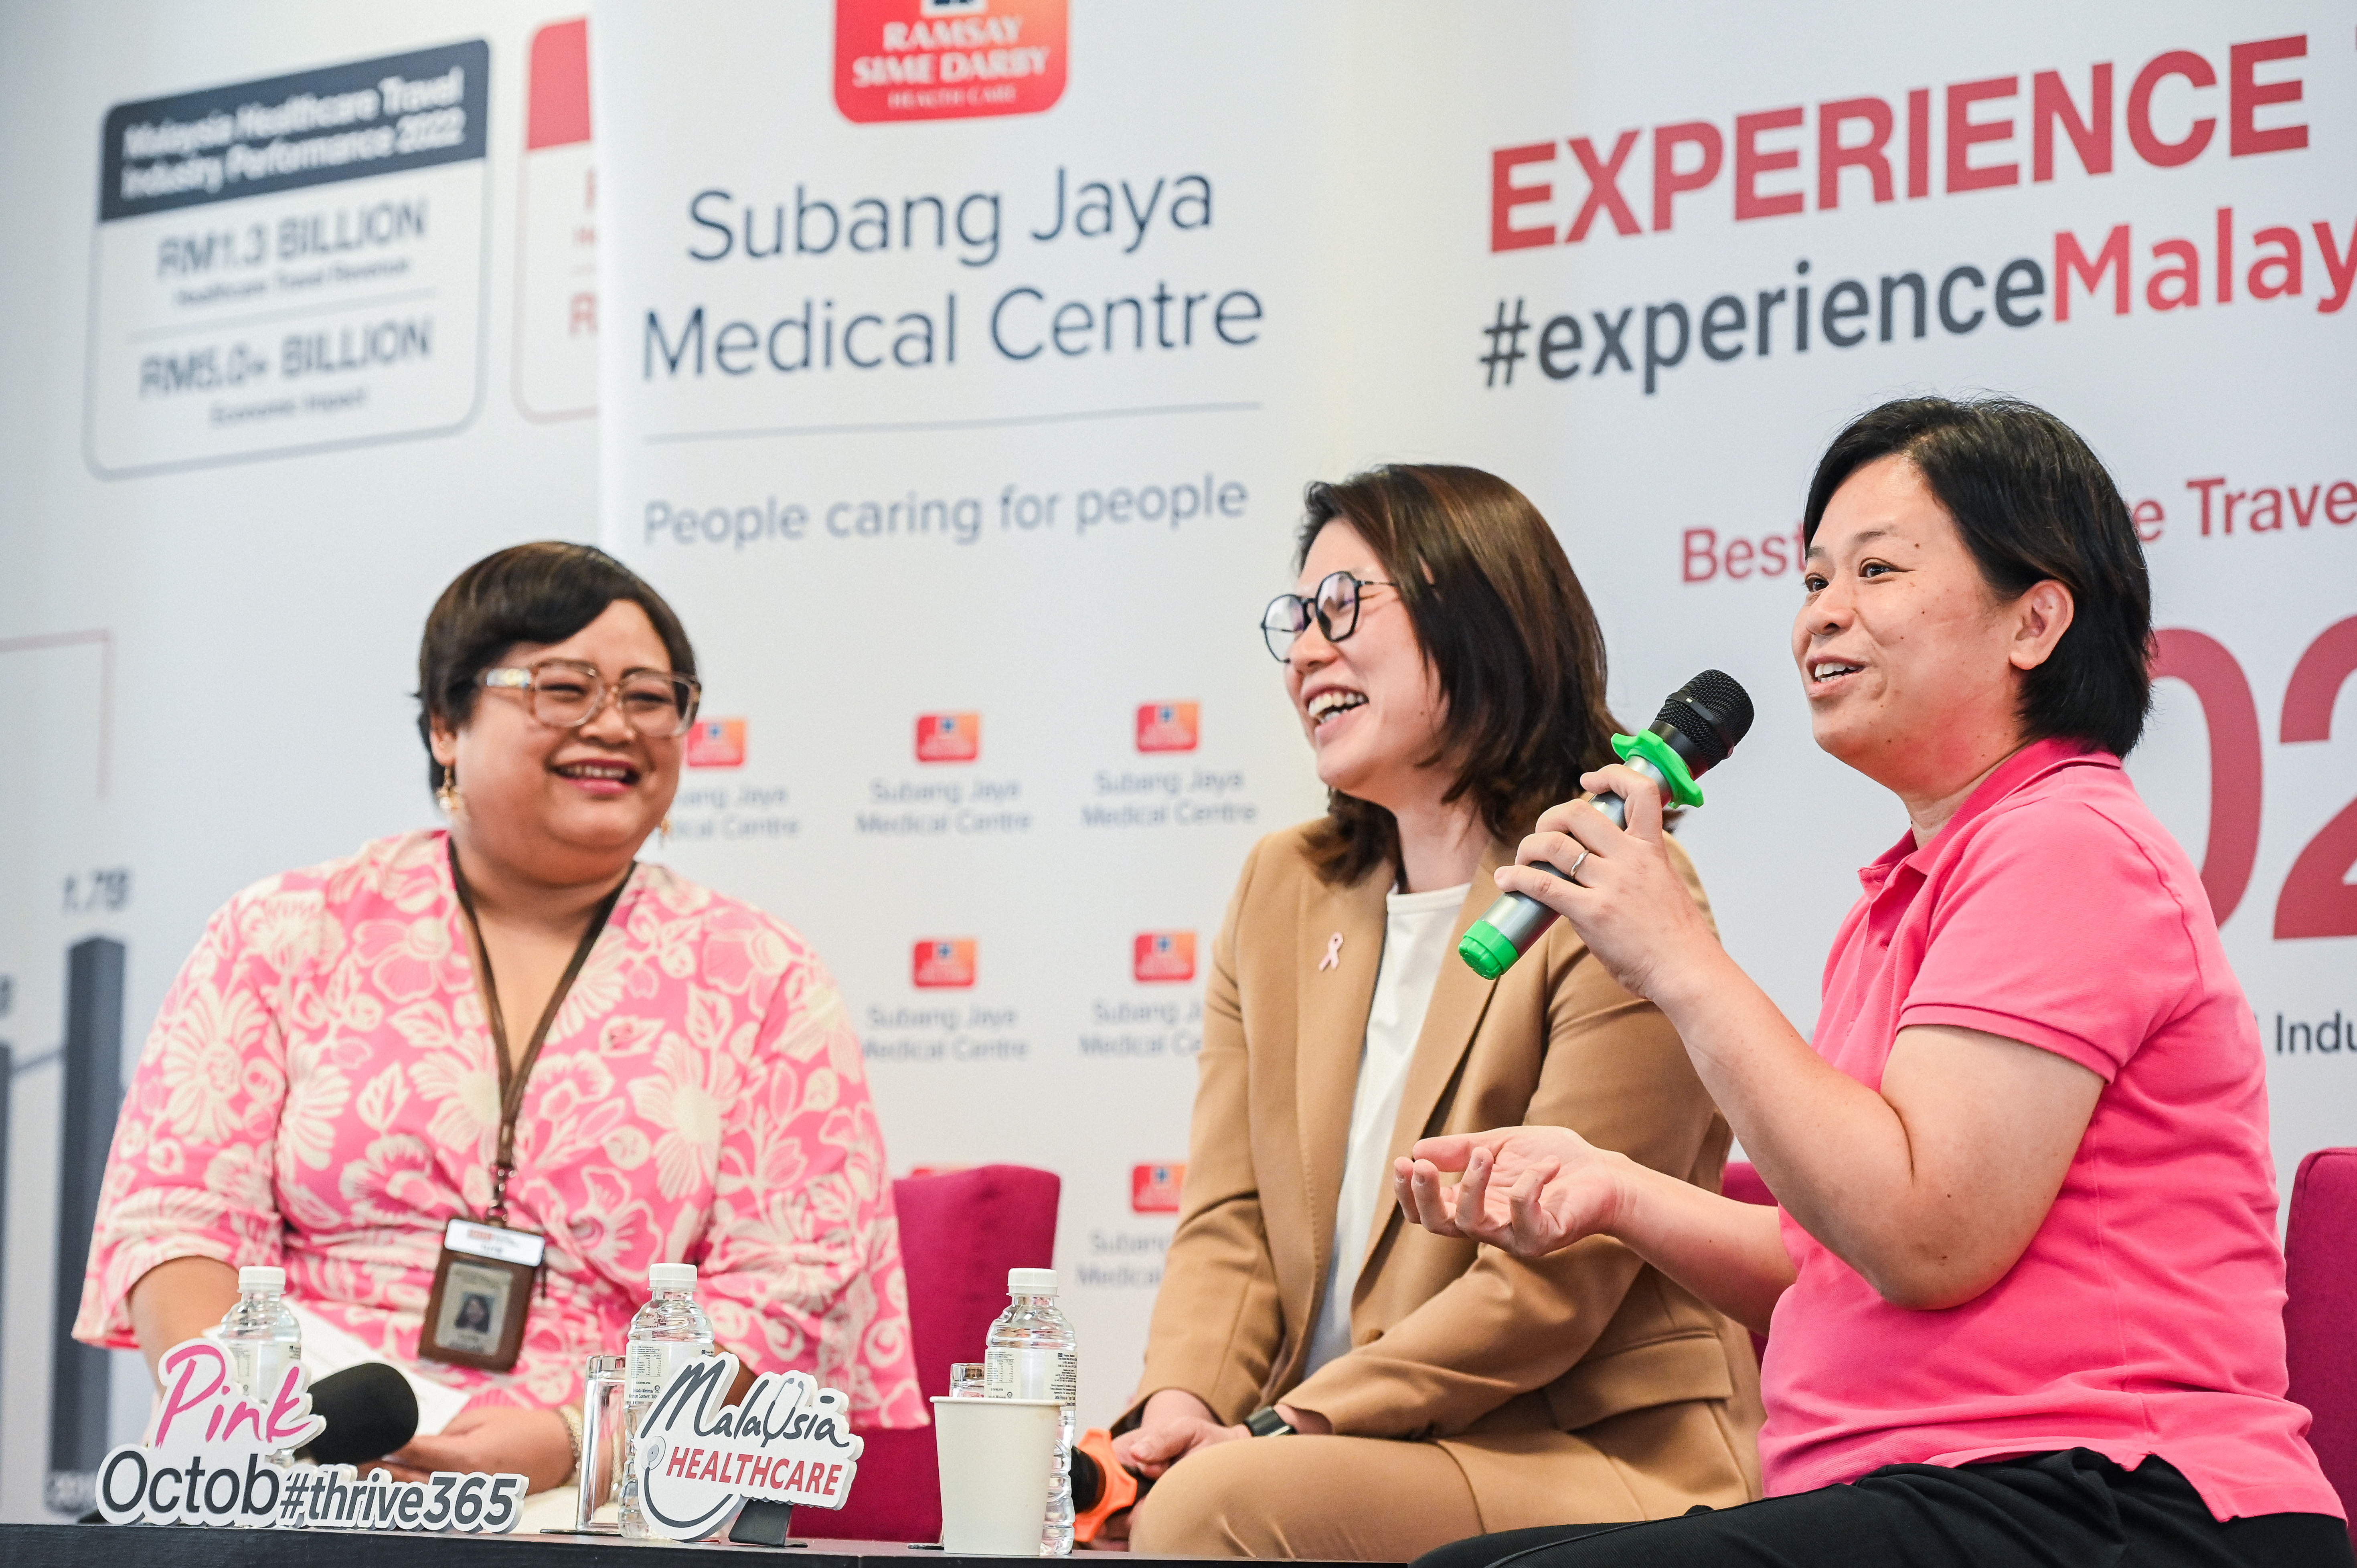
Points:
[[1334, 607], [565, 693]]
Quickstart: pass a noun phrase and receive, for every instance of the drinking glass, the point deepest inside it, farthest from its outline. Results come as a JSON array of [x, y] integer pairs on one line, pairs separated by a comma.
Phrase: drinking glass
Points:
[[601, 1440]]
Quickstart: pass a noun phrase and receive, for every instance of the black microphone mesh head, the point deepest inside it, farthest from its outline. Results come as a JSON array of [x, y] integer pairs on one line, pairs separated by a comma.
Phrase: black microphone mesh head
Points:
[[1088, 1481], [369, 1409], [1713, 711]]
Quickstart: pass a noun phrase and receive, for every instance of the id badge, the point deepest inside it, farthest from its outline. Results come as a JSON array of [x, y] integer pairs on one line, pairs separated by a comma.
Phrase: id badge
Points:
[[482, 1292]]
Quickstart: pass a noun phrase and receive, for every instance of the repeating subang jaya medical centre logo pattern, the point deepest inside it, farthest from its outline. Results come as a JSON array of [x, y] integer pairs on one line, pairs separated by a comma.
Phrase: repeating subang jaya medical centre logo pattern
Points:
[[947, 60], [1154, 1189], [949, 737], [944, 964], [1163, 956], [717, 743], [1168, 727]]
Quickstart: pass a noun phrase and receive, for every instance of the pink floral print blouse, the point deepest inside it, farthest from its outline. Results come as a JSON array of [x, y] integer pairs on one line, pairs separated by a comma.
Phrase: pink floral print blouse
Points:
[[320, 1093]]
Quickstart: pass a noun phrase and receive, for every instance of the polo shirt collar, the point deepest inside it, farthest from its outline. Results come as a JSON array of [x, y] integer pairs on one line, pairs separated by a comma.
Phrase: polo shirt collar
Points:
[[2024, 768]]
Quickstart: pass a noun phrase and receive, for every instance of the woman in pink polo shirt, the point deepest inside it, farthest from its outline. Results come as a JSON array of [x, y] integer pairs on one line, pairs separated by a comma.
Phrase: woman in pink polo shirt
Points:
[[2023, 1284]]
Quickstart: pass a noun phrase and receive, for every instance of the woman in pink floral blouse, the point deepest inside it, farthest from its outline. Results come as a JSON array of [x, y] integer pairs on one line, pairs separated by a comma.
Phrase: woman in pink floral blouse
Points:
[[323, 1089]]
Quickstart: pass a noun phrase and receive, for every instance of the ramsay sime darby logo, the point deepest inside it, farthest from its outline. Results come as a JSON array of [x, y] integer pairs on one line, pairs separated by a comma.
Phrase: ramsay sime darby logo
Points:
[[717, 743], [1154, 1189], [947, 60], [1163, 956], [944, 964], [1167, 726], [949, 737]]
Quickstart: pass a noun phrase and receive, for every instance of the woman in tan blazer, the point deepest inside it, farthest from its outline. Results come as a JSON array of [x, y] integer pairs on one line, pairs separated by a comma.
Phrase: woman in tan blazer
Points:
[[1321, 1379]]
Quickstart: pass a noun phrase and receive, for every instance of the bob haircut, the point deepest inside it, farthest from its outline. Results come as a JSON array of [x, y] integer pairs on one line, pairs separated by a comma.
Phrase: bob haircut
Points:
[[543, 592], [2033, 503], [1507, 629]]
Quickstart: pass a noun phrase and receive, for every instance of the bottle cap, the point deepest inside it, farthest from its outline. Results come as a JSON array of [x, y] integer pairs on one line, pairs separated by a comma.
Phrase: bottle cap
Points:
[[1031, 1282], [253, 1279], [671, 1276]]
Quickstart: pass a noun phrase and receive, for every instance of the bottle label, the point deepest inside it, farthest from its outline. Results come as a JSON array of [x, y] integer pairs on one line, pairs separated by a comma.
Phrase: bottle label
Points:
[[650, 1364], [258, 1368], [1009, 1373]]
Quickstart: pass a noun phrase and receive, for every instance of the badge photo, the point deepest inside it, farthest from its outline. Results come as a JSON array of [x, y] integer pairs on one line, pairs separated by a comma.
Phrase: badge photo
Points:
[[482, 1292]]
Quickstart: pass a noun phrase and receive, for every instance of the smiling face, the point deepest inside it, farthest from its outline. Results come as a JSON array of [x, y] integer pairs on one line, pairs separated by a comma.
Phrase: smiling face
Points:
[[564, 806], [1911, 664], [1370, 704]]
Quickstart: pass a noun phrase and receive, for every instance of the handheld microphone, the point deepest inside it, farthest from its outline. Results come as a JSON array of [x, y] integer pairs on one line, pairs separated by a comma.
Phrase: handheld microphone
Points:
[[1101, 1486], [1697, 726], [370, 1411]]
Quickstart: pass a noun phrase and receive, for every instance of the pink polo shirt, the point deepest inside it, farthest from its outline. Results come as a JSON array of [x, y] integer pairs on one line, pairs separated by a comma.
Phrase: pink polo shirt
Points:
[[2147, 1315]]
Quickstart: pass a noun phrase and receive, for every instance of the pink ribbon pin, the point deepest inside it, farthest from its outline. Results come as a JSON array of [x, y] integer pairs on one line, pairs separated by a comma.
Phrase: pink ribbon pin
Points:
[[1333, 951]]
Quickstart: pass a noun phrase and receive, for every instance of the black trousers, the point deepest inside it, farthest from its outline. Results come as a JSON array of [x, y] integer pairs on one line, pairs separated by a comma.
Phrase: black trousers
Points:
[[2069, 1510]]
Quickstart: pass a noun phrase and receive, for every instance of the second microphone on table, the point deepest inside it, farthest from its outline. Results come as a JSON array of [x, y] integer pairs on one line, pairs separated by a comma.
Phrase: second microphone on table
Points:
[[370, 1411]]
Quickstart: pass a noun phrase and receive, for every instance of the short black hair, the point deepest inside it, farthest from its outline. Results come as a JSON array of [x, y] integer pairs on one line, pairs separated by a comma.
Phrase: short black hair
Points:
[[2033, 503], [542, 592]]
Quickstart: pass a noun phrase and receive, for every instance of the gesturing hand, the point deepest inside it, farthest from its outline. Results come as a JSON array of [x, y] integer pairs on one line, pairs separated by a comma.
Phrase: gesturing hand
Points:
[[494, 1439], [1527, 1190]]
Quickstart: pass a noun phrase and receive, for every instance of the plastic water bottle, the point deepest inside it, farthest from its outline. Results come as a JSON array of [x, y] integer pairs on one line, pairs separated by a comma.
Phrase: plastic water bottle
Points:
[[262, 1336], [1033, 1355], [668, 1332]]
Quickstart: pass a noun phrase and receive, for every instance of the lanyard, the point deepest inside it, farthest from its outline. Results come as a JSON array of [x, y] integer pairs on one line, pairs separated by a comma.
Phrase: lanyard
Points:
[[513, 1077]]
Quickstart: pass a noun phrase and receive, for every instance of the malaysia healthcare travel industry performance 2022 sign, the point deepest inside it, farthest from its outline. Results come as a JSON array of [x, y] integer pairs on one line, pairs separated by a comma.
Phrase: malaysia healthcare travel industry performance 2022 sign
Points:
[[290, 263]]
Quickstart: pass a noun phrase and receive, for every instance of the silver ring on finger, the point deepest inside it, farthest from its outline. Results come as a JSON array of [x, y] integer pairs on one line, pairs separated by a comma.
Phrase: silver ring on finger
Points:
[[1571, 872]]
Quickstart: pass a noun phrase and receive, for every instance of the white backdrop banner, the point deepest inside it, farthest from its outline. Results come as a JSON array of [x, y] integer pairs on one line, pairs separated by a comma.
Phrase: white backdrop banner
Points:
[[963, 399], [1665, 268], [962, 363], [968, 448], [295, 289]]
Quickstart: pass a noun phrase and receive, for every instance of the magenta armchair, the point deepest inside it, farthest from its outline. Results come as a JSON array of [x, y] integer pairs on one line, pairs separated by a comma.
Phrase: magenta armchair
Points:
[[2321, 1283], [959, 1235]]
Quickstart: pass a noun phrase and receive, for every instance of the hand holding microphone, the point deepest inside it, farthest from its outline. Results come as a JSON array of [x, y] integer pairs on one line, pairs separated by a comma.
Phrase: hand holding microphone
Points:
[[1698, 725]]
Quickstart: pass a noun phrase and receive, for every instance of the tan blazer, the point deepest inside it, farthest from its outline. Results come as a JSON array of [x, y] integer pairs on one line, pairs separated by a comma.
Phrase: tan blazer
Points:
[[1526, 1371]]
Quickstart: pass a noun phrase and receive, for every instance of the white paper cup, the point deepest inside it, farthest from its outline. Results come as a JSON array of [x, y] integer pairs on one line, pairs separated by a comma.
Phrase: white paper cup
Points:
[[996, 1458]]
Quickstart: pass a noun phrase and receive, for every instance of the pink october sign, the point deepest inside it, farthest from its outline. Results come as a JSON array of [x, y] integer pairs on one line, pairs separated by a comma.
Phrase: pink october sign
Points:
[[214, 1457]]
